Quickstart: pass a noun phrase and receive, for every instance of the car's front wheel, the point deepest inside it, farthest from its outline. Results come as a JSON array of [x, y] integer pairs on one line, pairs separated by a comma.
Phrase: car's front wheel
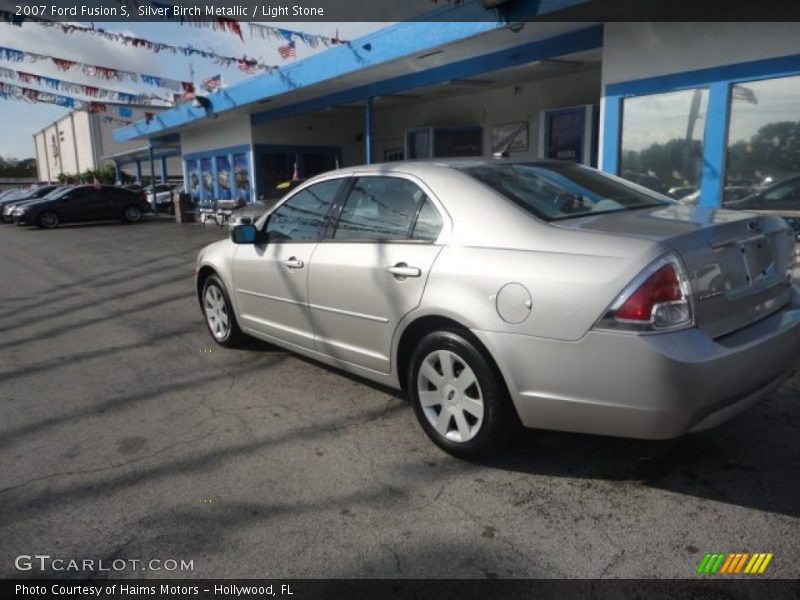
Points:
[[48, 220], [219, 315], [457, 396], [132, 214]]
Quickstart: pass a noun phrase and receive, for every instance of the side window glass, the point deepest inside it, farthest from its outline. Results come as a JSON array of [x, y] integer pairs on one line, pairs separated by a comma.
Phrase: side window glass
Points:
[[301, 218], [379, 208], [429, 223]]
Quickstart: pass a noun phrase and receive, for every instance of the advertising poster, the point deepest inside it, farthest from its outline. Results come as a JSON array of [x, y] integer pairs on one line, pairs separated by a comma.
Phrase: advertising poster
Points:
[[194, 180], [224, 179], [207, 179], [566, 136], [241, 169]]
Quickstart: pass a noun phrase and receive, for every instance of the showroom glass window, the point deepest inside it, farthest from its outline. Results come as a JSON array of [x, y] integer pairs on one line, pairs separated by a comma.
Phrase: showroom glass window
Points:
[[300, 219], [381, 208], [662, 140], [763, 133]]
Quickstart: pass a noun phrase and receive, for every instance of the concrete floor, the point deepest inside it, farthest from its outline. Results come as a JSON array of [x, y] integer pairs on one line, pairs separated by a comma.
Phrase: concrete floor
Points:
[[126, 433]]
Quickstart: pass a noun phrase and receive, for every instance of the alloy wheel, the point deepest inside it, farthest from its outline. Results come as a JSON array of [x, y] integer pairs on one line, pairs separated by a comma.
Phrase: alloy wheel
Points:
[[133, 213], [49, 219]]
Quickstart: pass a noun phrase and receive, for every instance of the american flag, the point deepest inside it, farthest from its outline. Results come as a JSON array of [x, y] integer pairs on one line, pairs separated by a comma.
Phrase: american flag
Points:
[[212, 83], [287, 51], [743, 93]]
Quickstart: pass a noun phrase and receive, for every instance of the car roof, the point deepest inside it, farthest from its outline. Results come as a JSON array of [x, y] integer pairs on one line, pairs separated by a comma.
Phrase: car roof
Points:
[[425, 166]]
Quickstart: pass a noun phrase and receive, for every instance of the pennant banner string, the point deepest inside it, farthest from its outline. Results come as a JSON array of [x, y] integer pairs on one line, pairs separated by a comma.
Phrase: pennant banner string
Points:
[[79, 88], [96, 71], [244, 63], [14, 92]]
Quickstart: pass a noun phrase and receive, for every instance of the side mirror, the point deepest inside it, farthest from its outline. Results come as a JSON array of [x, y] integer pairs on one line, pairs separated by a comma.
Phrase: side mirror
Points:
[[245, 234]]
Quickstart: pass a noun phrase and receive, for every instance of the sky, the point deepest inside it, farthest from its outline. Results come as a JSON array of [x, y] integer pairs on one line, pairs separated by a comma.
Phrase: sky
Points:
[[20, 120]]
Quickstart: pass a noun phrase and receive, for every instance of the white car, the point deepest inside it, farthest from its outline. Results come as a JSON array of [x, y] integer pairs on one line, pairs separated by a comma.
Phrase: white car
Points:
[[165, 193]]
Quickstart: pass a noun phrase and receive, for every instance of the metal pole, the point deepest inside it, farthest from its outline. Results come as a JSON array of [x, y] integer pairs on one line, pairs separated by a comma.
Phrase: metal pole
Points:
[[368, 136], [153, 178], [117, 175], [163, 169], [139, 172]]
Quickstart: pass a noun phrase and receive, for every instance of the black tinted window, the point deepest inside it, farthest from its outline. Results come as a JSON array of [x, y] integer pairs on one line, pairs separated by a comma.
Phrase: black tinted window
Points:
[[379, 208], [429, 223], [556, 191], [301, 218]]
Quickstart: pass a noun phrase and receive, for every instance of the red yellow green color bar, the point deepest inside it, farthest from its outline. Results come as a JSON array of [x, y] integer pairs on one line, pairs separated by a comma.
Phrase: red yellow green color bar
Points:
[[731, 563]]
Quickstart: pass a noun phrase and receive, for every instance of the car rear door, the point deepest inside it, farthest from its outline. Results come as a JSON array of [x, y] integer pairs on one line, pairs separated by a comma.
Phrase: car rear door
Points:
[[271, 279], [372, 267]]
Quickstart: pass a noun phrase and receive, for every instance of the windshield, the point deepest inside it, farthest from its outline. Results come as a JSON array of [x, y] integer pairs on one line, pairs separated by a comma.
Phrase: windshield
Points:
[[554, 192]]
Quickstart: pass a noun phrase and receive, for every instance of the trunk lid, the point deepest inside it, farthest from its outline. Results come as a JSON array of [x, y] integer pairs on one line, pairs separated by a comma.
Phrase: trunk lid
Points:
[[738, 263]]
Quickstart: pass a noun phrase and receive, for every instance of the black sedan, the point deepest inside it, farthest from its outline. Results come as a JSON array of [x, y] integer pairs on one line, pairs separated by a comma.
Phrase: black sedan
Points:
[[82, 203], [22, 196]]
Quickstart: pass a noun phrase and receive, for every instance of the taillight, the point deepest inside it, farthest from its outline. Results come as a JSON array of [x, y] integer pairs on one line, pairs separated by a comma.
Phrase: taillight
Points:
[[656, 300]]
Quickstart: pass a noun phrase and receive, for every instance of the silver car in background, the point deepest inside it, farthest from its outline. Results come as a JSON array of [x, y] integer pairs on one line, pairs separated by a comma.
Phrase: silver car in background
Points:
[[498, 293]]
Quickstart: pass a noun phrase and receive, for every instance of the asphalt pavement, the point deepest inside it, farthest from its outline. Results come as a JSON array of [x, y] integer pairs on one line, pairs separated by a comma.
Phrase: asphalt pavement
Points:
[[126, 433]]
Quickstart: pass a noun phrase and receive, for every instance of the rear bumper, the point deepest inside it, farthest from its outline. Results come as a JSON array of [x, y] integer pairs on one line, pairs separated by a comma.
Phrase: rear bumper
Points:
[[646, 386]]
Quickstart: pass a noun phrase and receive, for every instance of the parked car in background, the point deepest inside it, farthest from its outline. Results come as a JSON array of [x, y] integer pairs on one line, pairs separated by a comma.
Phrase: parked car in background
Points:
[[252, 212], [497, 292], [25, 196], [161, 197], [248, 214], [8, 196], [681, 191], [82, 203], [729, 194], [780, 199]]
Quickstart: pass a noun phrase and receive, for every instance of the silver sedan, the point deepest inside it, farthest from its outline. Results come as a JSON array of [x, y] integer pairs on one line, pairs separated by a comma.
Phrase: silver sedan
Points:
[[499, 293]]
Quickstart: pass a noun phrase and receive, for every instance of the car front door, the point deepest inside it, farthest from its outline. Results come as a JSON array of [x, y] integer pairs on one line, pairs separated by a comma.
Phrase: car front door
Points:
[[271, 279], [371, 268], [92, 205]]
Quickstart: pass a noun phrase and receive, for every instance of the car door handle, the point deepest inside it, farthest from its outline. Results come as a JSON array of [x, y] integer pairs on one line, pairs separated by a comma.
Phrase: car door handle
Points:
[[293, 263], [403, 270]]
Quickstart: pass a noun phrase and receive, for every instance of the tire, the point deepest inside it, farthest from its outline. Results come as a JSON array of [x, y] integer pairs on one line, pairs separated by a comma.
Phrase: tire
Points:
[[218, 313], [131, 214], [48, 220], [468, 413]]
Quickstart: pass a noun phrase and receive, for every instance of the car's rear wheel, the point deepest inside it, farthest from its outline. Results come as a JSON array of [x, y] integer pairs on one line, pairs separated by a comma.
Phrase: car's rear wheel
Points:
[[48, 220], [219, 315], [132, 213], [458, 398]]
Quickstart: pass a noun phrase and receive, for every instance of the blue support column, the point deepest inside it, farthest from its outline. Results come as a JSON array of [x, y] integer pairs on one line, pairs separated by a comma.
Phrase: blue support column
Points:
[[117, 174], [152, 166], [163, 169], [715, 145], [138, 171], [368, 135], [153, 179], [612, 132]]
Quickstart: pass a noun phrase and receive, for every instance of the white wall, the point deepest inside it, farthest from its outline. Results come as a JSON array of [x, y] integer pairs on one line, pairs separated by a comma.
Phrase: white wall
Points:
[[213, 134], [83, 150], [344, 126], [487, 108], [336, 127], [638, 50]]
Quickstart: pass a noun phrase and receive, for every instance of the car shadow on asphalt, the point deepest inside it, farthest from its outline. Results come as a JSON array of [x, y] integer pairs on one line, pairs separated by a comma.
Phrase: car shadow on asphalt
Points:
[[751, 461]]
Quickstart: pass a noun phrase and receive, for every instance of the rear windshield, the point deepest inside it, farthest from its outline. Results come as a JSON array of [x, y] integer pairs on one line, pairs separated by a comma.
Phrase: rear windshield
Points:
[[557, 192]]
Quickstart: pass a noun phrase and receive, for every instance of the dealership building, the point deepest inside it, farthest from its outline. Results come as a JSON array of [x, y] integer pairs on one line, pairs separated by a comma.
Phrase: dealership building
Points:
[[83, 141], [674, 106]]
